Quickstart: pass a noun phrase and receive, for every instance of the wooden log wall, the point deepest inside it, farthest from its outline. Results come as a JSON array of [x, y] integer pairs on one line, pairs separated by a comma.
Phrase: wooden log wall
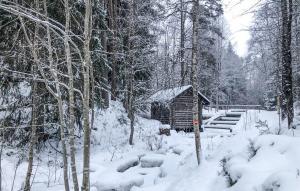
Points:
[[160, 112], [182, 115], [178, 114]]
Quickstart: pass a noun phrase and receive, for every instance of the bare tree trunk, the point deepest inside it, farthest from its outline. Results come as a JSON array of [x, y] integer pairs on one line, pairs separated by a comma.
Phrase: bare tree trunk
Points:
[[111, 46], [130, 70], [194, 79], [71, 97], [1, 151], [219, 66], [58, 96], [104, 72], [33, 139], [86, 101], [182, 42], [92, 95], [33, 130], [167, 83], [287, 85]]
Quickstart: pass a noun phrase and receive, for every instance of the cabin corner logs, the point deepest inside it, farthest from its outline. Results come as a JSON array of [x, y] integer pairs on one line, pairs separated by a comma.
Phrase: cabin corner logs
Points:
[[176, 107]]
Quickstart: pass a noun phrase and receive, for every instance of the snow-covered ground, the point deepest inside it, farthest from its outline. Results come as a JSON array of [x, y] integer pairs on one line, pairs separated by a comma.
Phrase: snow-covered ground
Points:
[[252, 158]]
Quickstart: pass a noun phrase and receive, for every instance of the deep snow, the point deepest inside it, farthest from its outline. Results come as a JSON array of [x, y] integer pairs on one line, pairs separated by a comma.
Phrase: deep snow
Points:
[[252, 158]]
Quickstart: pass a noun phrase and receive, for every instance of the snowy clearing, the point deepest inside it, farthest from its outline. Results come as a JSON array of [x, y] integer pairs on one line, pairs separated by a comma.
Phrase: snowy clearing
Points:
[[251, 158]]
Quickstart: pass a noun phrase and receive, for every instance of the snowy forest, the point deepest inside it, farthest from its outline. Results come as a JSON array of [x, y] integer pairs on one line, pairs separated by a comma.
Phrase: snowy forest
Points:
[[144, 95]]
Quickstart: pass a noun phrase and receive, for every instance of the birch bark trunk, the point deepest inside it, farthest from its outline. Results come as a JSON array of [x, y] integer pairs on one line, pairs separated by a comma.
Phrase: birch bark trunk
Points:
[[182, 42], [71, 97], [33, 139], [194, 78], [58, 96], [86, 101]]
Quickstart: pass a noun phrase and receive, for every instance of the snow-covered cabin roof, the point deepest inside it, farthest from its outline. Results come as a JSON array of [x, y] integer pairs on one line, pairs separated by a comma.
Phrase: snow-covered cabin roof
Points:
[[169, 94]]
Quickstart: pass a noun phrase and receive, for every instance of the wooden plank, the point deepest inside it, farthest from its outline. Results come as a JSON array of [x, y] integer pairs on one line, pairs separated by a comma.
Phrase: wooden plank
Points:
[[230, 118], [224, 122], [217, 127], [235, 114], [238, 110]]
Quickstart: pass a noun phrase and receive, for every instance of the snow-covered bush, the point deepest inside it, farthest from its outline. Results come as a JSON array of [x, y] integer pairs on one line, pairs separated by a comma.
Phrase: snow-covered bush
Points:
[[112, 127], [252, 149], [263, 127], [225, 172], [154, 142]]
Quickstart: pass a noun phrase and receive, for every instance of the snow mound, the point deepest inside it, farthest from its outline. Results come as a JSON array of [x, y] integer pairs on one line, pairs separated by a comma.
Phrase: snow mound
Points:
[[118, 182], [177, 150], [125, 165], [150, 161], [270, 162], [283, 181]]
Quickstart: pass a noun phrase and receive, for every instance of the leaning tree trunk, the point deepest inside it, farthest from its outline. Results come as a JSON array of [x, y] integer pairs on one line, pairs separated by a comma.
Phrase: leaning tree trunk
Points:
[[71, 97], [33, 138], [287, 84], [86, 99], [194, 78], [58, 96]]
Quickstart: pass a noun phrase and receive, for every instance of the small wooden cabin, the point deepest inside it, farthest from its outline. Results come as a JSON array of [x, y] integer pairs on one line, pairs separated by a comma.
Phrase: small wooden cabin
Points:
[[174, 107]]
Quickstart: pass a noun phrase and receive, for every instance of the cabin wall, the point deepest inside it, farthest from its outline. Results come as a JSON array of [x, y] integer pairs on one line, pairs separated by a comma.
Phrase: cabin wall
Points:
[[160, 112], [183, 115], [178, 114]]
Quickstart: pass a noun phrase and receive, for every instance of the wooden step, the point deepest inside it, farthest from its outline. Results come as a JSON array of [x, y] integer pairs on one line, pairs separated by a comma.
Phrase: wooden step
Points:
[[229, 118], [233, 114], [220, 127], [224, 122], [237, 110]]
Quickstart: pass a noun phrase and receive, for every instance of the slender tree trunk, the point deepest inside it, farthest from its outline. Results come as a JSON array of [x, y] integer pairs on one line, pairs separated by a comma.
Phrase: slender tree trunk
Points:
[[86, 101], [111, 46], [130, 69], [92, 95], [182, 42], [194, 79], [287, 85], [1, 151], [167, 83], [58, 96], [104, 70], [33, 139], [71, 97], [219, 66]]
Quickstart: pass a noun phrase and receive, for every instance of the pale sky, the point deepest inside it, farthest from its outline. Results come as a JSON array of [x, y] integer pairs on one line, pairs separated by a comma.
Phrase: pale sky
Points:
[[239, 19]]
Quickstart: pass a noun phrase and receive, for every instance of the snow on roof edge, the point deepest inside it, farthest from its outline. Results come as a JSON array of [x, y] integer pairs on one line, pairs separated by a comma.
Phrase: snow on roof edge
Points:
[[169, 94]]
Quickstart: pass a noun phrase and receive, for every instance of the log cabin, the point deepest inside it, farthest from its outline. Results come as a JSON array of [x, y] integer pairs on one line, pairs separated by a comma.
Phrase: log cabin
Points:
[[174, 107]]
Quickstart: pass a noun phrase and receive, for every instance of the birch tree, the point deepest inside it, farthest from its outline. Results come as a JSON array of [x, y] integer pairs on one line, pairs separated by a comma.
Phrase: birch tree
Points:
[[33, 139], [58, 96], [86, 99], [195, 108], [71, 96], [130, 70], [182, 41]]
